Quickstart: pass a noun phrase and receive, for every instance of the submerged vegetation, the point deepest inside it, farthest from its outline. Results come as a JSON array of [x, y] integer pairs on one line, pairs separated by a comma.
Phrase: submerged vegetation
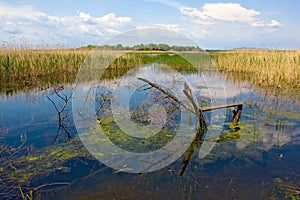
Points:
[[25, 173], [290, 189]]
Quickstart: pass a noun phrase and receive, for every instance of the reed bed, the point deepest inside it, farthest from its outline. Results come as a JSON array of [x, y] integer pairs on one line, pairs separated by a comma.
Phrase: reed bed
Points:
[[266, 68], [22, 63], [29, 68]]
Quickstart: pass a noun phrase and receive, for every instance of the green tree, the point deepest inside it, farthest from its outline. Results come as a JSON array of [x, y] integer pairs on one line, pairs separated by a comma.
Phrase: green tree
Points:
[[119, 47], [163, 47]]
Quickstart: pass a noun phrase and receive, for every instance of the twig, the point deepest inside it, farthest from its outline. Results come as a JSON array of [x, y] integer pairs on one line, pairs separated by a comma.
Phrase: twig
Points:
[[53, 104], [188, 92], [229, 186], [168, 94], [19, 147], [60, 111], [50, 184]]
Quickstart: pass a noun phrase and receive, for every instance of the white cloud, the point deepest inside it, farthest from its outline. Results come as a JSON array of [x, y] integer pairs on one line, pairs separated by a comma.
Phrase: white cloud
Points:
[[229, 12], [112, 20], [113, 31], [202, 22], [274, 24], [193, 12], [258, 23], [214, 25], [209, 13], [26, 22], [172, 27], [83, 28], [271, 24], [28, 12], [109, 20], [223, 12], [11, 28], [107, 25], [85, 17]]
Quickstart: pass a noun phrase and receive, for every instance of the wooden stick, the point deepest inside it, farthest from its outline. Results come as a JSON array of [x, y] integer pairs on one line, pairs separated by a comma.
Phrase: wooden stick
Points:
[[171, 96], [201, 130], [199, 113], [237, 114], [229, 105]]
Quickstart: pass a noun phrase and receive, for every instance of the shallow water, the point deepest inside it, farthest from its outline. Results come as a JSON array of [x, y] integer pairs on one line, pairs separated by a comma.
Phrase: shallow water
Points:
[[256, 159]]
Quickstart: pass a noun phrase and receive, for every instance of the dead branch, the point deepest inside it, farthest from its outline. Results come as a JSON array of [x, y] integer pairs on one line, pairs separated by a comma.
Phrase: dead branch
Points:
[[65, 99], [171, 96], [195, 109], [50, 184], [188, 93]]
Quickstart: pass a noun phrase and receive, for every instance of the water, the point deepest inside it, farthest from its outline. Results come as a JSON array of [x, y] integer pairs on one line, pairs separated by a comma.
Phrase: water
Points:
[[257, 159]]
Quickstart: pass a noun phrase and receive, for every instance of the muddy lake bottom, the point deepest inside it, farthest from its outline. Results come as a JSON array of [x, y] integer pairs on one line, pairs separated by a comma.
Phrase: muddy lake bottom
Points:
[[257, 160]]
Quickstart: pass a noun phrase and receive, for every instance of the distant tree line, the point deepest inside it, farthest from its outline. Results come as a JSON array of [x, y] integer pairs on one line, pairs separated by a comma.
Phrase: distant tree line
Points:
[[146, 47]]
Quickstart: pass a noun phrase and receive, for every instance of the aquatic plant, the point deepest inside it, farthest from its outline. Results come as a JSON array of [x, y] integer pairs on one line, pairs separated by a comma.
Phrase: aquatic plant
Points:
[[290, 189]]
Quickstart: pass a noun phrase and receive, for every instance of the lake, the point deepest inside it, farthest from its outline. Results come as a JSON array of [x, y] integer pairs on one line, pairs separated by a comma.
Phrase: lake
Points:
[[44, 146]]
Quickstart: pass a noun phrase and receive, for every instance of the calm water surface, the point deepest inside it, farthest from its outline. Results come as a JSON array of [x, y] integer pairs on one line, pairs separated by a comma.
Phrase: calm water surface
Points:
[[259, 159]]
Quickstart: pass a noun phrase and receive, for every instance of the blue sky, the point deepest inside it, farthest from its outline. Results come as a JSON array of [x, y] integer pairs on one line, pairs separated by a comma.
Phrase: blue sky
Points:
[[219, 24]]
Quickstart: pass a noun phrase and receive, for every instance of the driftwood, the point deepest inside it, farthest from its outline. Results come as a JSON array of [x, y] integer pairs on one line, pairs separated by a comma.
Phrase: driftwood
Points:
[[200, 131], [199, 114], [236, 113], [171, 96], [195, 109]]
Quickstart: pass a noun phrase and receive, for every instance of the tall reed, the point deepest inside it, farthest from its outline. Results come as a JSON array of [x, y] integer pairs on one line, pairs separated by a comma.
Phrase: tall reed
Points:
[[266, 68], [263, 67], [22, 63]]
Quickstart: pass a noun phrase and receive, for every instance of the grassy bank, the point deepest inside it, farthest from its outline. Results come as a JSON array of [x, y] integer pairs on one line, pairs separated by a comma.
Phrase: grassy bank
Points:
[[21, 68], [18, 64]]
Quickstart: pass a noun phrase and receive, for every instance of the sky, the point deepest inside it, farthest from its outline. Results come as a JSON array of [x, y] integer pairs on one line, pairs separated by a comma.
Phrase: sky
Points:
[[219, 24]]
